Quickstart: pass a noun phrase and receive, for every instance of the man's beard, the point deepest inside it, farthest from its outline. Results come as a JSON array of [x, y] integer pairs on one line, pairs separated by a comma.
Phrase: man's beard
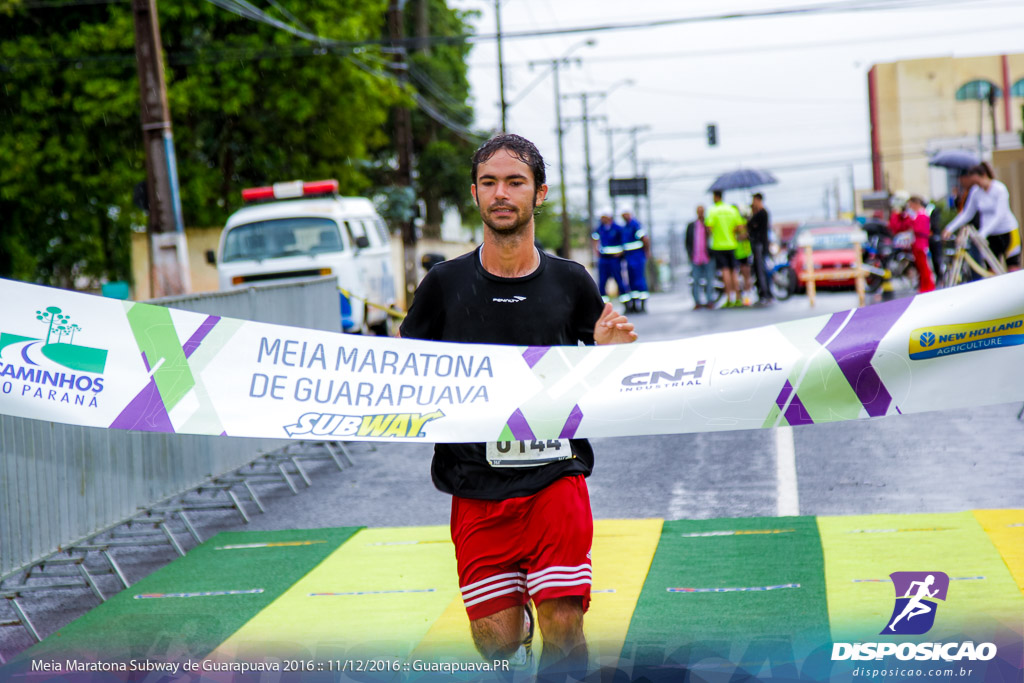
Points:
[[508, 230]]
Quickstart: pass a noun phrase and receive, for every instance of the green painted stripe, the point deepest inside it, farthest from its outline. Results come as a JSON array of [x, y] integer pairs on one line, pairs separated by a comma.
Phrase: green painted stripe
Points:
[[741, 626], [156, 336], [873, 546], [125, 627]]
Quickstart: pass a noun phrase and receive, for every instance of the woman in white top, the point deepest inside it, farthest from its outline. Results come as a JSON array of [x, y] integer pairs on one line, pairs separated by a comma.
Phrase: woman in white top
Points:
[[991, 200]]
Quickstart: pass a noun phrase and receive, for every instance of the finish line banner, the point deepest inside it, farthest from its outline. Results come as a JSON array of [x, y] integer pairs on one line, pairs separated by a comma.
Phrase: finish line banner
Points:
[[87, 360]]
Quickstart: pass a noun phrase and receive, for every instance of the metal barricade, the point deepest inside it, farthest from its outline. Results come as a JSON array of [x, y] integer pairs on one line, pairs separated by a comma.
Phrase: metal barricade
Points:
[[61, 483]]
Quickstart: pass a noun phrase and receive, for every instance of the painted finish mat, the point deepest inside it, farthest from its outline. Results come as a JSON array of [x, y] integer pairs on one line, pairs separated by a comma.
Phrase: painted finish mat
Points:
[[726, 599], [723, 591], [190, 606]]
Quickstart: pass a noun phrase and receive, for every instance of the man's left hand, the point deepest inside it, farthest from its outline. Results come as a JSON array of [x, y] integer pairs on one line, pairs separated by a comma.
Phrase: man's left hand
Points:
[[613, 328]]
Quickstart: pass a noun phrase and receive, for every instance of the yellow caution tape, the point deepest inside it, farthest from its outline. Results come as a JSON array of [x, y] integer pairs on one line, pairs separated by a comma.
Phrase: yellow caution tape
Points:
[[390, 310]]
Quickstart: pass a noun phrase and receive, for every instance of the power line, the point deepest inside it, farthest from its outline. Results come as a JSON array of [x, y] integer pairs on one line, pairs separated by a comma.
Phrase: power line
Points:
[[704, 53]]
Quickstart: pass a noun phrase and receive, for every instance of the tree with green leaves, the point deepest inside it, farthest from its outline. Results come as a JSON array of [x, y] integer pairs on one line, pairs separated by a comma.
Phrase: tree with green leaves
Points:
[[443, 139], [250, 104]]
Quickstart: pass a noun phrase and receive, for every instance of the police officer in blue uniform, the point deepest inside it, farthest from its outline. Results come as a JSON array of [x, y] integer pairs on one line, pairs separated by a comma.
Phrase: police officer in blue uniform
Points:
[[636, 246], [607, 242]]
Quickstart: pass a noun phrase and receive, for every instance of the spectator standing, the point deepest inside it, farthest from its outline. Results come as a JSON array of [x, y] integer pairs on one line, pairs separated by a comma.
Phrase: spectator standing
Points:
[[637, 249], [991, 200], [914, 218], [702, 269], [935, 242], [743, 259], [607, 241], [723, 220], [759, 232]]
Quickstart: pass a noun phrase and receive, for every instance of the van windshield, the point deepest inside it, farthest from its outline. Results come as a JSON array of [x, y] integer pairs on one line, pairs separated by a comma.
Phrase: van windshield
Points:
[[281, 237]]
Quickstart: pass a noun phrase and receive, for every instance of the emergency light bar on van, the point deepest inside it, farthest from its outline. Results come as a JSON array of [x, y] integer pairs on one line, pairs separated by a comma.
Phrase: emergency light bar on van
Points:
[[290, 190]]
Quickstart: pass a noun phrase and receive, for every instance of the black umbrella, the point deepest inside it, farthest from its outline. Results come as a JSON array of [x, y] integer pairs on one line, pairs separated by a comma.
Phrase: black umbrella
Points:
[[954, 158], [743, 178]]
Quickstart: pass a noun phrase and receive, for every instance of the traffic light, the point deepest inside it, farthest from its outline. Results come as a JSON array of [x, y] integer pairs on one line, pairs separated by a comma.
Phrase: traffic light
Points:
[[712, 135]]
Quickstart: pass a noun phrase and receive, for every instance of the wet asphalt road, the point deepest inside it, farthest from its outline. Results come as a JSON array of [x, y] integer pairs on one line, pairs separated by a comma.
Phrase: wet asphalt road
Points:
[[936, 462]]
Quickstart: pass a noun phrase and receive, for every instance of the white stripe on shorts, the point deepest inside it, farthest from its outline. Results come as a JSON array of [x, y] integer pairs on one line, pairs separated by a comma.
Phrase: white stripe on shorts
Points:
[[562, 572], [493, 587], [544, 585], [489, 579], [489, 596]]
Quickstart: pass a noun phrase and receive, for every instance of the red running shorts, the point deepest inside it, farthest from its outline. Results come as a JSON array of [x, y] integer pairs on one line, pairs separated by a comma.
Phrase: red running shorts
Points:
[[510, 551]]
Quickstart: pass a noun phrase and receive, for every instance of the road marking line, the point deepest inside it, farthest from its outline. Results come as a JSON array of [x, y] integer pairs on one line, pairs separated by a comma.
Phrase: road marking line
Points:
[[743, 589], [785, 473]]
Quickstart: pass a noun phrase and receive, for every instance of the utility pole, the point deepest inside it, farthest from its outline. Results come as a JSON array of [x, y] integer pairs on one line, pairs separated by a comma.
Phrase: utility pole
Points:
[[835, 192], [853, 194], [168, 252], [586, 119], [610, 132], [992, 114], [403, 141], [501, 68], [632, 131], [555, 65]]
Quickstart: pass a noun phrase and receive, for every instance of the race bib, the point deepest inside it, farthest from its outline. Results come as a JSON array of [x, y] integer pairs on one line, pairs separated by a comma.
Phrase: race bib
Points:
[[527, 453]]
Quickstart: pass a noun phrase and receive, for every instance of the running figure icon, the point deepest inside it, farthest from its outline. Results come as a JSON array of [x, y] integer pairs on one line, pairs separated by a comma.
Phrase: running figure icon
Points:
[[915, 606]]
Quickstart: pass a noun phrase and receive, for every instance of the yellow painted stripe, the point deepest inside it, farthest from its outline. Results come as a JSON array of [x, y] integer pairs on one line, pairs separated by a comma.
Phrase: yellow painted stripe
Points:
[[621, 556], [1006, 529], [371, 616], [873, 546]]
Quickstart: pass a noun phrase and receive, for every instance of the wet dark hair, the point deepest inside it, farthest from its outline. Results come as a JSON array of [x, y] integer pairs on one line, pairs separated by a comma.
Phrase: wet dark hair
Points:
[[758, 195], [716, 194], [517, 146], [982, 169]]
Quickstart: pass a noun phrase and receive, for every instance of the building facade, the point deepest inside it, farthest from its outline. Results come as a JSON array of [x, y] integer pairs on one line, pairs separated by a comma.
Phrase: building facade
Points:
[[922, 106]]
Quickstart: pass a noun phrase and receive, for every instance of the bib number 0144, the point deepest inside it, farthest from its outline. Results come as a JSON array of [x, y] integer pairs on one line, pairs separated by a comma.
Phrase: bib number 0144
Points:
[[527, 453]]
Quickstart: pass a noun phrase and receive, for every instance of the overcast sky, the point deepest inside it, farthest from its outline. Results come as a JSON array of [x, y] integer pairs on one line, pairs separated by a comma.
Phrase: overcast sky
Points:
[[788, 93]]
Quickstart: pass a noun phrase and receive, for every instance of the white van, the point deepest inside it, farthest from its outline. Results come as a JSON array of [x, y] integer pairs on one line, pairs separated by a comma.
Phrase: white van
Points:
[[298, 230]]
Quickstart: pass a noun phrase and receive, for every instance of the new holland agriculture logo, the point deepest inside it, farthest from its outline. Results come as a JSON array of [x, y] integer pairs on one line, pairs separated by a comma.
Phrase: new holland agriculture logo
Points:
[[41, 362], [914, 614], [946, 340]]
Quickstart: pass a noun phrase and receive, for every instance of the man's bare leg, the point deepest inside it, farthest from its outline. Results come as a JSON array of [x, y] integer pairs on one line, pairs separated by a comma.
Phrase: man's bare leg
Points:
[[499, 635], [565, 646]]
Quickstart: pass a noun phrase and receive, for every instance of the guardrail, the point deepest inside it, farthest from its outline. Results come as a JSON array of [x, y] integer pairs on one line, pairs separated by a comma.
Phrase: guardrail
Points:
[[61, 483]]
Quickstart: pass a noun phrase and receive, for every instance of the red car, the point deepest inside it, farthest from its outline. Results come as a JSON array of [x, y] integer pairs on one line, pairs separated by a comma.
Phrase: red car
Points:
[[835, 247]]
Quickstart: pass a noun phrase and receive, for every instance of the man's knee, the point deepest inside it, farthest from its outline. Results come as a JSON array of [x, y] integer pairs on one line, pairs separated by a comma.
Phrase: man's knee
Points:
[[561, 620]]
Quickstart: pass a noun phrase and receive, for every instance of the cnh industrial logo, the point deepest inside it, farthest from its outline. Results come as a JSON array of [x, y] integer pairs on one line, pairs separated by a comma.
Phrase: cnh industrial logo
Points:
[[917, 598]]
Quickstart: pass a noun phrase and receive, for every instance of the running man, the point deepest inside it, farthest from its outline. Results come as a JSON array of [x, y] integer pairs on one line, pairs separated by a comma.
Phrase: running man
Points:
[[522, 532], [915, 607]]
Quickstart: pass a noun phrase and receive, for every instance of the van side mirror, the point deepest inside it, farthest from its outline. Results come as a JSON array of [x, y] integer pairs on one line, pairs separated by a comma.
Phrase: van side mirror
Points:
[[362, 242], [211, 257]]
